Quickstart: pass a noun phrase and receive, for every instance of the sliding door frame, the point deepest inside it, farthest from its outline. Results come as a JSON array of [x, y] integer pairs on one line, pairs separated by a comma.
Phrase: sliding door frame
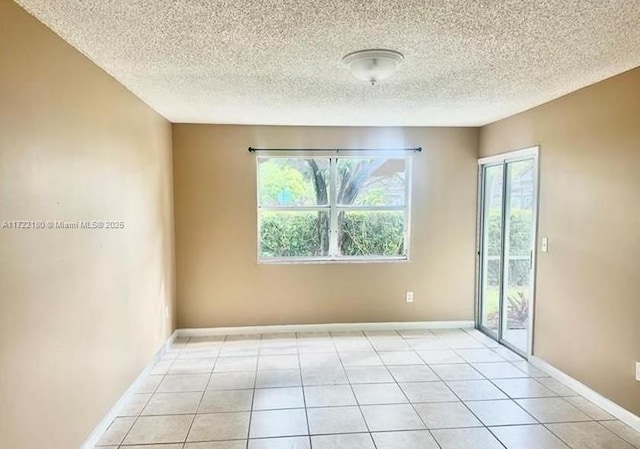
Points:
[[503, 159]]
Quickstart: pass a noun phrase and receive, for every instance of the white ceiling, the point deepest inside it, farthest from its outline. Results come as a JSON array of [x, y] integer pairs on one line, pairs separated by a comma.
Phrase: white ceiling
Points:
[[467, 62]]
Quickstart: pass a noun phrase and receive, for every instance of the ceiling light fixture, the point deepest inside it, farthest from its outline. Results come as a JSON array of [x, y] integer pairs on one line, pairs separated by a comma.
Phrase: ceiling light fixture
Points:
[[373, 65]]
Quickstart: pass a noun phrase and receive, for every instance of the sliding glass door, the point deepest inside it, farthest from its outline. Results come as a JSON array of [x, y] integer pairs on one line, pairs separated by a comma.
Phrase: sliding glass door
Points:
[[506, 241], [491, 241]]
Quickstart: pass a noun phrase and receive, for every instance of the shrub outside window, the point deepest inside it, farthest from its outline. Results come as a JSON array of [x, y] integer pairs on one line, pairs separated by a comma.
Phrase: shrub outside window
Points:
[[344, 208]]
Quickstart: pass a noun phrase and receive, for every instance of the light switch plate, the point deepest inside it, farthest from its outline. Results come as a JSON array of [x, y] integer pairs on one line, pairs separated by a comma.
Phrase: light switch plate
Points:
[[545, 244], [638, 371]]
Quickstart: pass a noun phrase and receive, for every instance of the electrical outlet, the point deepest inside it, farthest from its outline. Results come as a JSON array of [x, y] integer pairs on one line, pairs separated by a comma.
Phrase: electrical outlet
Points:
[[409, 297], [638, 371]]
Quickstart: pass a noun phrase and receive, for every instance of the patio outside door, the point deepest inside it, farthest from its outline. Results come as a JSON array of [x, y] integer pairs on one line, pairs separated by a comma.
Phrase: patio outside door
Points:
[[506, 247]]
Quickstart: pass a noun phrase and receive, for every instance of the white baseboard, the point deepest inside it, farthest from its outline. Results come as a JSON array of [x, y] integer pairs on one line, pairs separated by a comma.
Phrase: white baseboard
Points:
[[607, 405], [101, 428], [212, 331], [170, 340]]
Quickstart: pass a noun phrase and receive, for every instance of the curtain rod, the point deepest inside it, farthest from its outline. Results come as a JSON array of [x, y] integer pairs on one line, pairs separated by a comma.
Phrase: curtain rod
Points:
[[337, 150]]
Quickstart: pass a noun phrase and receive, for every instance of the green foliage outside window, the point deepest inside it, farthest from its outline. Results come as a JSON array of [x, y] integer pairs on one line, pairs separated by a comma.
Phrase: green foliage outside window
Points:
[[520, 233], [283, 184], [299, 234], [372, 233], [290, 234]]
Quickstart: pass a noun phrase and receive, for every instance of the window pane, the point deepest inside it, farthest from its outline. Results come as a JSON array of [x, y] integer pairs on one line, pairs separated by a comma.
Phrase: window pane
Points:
[[371, 182], [294, 234], [293, 182], [371, 233]]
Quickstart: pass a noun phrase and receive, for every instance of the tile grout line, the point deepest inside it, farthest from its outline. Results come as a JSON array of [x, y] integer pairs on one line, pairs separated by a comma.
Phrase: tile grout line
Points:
[[215, 362], [184, 443], [155, 389], [554, 434], [635, 446], [409, 401], [514, 401], [463, 403], [353, 392], [253, 393], [510, 399], [546, 426], [304, 395]]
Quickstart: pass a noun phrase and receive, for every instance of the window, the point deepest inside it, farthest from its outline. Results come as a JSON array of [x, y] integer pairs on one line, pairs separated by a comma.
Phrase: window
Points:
[[333, 208]]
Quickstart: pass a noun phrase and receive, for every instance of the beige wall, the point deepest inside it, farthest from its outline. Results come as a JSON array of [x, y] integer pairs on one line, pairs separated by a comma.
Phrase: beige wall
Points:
[[219, 280], [588, 286], [81, 312]]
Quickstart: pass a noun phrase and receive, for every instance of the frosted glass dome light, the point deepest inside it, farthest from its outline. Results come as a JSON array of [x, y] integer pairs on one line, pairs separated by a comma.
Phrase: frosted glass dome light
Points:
[[373, 65]]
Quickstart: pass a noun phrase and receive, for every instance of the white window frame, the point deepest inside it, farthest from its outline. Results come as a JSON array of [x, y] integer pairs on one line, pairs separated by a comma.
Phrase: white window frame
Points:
[[333, 208]]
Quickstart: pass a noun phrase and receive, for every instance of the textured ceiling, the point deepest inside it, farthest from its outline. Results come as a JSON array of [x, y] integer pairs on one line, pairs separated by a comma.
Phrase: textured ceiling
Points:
[[467, 62]]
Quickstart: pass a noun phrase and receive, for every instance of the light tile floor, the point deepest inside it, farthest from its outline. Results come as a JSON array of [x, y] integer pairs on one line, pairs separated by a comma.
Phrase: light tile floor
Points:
[[417, 389]]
